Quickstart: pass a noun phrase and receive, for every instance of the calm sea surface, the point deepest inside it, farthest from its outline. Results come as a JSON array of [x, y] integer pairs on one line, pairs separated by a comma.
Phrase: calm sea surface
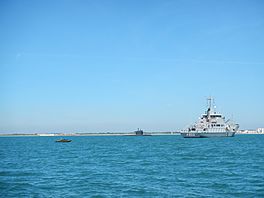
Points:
[[150, 166]]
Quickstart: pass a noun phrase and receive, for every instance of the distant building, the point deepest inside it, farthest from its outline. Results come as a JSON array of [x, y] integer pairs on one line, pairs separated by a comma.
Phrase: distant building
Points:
[[251, 131], [260, 130], [45, 134]]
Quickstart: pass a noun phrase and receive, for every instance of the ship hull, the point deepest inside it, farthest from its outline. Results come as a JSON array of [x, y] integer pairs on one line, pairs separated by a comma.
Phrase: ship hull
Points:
[[207, 134]]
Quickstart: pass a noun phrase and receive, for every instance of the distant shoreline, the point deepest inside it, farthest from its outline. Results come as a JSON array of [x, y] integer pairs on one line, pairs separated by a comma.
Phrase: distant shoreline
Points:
[[86, 134], [108, 134]]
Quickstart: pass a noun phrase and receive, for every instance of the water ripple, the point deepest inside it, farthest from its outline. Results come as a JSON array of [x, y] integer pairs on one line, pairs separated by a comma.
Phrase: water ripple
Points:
[[161, 166]]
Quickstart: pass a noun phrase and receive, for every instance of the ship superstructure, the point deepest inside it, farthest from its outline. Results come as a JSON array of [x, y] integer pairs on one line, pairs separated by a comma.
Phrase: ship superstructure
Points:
[[211, 124]]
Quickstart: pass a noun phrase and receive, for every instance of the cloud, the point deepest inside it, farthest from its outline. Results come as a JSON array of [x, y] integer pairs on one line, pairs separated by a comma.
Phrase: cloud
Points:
[[135, 58], [228, 62]]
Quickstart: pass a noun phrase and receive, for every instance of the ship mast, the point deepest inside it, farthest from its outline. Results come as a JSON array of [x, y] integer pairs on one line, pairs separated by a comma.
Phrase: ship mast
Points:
[[209, 110], [210, 102], [209, 105]]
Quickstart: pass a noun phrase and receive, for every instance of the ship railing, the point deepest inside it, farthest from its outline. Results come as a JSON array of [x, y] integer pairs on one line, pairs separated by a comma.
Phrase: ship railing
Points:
[[205, 131], [216, 130]]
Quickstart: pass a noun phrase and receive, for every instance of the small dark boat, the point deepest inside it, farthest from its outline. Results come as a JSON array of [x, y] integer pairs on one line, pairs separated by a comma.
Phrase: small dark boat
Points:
[[63, 140], [139, 132]]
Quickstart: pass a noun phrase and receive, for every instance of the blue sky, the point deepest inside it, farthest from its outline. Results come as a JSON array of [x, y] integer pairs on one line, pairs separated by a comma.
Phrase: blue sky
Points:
[[97, 66]]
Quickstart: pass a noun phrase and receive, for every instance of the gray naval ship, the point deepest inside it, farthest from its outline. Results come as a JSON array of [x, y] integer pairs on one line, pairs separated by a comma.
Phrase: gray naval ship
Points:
[[211, 124]]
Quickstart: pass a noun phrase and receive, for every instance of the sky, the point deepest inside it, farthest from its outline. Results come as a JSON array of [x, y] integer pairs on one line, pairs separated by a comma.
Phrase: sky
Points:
[[108, 65]]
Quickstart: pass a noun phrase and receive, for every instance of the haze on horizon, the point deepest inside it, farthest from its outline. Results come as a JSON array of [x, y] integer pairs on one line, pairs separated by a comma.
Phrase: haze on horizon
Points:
[[98, 66]]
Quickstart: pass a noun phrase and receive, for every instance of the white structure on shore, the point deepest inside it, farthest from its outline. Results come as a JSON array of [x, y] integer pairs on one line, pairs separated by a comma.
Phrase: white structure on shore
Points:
[[46, 134], [260, 130], [252, 131]]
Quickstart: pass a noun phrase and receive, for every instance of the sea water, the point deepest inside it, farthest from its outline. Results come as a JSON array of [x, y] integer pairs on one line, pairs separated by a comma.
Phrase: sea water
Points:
[[123, 166]]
